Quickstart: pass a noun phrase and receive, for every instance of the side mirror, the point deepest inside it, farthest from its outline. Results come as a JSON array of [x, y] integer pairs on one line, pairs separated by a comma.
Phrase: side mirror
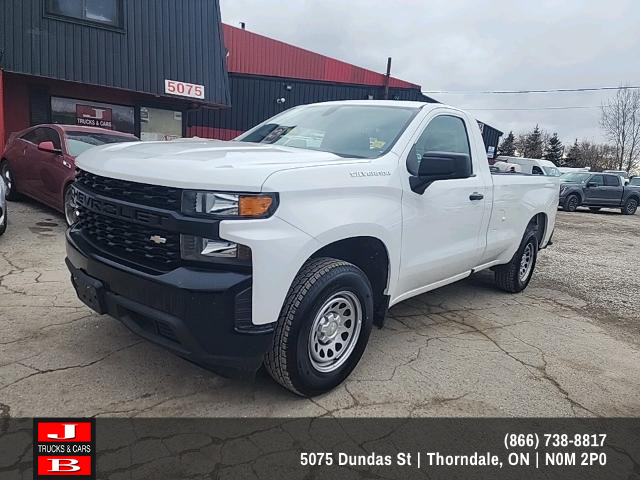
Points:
[[439, 166], [49, 147], [592, 185]]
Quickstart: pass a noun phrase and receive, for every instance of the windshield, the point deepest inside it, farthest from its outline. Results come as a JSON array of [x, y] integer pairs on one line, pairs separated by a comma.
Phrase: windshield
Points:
[[78, 142], [361, 131], [574, 177], [635, 181], [551, 171]]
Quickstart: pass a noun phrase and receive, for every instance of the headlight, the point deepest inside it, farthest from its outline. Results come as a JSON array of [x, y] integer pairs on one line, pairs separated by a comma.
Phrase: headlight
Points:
[[222, 205], [228, 205]]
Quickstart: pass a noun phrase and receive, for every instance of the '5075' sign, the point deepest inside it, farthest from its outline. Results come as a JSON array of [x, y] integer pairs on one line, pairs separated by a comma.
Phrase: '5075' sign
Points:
[[183, 89]]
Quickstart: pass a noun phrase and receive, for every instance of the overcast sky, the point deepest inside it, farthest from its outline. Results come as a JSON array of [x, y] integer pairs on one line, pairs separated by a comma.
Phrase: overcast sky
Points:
[[471, 45]]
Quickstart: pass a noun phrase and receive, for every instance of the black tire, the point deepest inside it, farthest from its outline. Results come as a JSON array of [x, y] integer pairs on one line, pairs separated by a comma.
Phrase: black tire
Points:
[[68, 209], [571, 203], [3, 225], [595, 209], [630, 207], [289, 361], [9, 180], [510, 277]]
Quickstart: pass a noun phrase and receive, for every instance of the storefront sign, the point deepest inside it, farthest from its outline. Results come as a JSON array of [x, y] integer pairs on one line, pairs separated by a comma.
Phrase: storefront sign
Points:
[[88, 116], [183, 89]]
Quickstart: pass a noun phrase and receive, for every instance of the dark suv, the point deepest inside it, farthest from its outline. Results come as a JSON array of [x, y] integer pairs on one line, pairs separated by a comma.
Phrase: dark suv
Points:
[[596, 191]]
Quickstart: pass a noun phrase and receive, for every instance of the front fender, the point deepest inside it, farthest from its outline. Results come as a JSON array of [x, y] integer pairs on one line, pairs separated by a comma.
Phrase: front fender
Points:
[[278, 251]]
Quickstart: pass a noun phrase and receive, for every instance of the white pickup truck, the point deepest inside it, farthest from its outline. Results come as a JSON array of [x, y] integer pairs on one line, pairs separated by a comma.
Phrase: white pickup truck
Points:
[[285, 246]]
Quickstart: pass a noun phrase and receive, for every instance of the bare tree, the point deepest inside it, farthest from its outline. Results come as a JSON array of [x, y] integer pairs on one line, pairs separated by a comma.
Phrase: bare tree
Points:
[[621, 123]]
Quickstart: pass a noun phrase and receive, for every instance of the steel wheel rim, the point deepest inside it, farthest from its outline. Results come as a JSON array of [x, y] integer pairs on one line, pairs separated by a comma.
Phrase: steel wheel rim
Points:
[[6, 176], [70, 208], [573, 203], [526, 262], [335, 331]]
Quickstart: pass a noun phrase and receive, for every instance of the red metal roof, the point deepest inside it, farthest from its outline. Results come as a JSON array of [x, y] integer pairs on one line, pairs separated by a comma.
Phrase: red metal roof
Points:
[[255, 54]]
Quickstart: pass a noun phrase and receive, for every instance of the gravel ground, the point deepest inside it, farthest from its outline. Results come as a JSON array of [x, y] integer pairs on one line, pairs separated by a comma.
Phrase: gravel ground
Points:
[[596, 257]]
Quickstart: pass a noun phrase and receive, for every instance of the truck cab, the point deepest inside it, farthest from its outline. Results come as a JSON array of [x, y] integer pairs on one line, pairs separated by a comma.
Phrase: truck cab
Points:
[[287, 245]]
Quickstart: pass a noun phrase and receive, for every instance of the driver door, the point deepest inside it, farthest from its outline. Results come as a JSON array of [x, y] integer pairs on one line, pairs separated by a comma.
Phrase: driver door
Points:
[[43, 165], [442, 228], [594, 191]]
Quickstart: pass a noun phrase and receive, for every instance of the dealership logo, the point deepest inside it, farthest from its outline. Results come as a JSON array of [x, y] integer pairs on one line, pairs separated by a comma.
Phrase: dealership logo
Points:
[[89, 116], [64, 448]]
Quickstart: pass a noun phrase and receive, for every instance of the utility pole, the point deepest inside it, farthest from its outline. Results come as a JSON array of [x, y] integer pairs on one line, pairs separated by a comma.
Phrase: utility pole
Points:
[[386, 79]]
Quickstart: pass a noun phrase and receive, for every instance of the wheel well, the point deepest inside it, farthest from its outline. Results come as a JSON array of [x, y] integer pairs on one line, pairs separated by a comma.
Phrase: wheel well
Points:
[[539, 222], [575, 194], [635, 197], [370, 255]]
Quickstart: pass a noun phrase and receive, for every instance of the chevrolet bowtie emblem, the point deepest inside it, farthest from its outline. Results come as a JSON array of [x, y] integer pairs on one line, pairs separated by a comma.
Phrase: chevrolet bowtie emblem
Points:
[[158, 239]]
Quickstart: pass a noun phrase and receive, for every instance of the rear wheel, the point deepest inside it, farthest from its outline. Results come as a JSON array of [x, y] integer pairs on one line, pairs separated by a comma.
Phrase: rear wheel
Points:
[[9, 180], [516, 275], [323, 328], [70, 208], [571, 203], [630, 207]]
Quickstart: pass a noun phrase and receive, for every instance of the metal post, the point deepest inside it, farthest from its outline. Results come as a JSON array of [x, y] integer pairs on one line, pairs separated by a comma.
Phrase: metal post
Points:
[[386, 79]]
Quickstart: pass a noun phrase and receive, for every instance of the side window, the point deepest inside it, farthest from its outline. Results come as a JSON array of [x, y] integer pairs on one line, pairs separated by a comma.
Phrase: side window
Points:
[[597, 179], [537, 170], [50, 135], [33, 136], [612, 181], [444, 133]]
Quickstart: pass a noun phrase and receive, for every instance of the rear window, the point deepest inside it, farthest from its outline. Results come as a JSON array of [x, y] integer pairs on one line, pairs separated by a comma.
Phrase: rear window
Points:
[[612, 181]]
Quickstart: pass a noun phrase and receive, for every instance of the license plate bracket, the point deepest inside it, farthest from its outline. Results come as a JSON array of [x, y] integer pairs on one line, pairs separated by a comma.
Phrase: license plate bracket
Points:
[[90, 291]]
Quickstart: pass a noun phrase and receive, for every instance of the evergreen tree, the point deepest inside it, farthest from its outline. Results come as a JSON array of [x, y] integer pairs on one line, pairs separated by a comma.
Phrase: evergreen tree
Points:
[[533, 144], [508, 146], [573, 156], [554, 149]]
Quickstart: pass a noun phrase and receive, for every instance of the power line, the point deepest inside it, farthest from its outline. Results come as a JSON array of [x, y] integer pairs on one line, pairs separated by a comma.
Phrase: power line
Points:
[[535, 108], [553, 90]]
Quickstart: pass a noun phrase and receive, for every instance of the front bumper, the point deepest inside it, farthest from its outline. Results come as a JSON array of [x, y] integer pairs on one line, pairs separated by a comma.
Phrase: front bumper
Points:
[[201, 315]]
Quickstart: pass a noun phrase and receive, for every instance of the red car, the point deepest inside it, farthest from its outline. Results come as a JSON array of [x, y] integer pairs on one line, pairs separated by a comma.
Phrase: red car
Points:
[[40, 162]]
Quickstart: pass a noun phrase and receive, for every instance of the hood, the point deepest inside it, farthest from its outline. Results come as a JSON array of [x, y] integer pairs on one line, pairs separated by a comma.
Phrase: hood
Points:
[[200, 164]]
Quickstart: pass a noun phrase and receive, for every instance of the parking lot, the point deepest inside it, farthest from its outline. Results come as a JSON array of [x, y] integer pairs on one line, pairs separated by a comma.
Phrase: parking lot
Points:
[[568, 346]]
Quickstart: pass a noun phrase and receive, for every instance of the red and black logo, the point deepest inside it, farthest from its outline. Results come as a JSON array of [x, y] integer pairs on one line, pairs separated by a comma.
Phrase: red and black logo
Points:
[[64, 447]]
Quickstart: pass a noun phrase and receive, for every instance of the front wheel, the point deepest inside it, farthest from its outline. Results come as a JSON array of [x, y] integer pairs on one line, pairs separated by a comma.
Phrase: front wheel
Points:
[[630, 207], [516, 275], [571, 203], [323, 328], [70, 208]]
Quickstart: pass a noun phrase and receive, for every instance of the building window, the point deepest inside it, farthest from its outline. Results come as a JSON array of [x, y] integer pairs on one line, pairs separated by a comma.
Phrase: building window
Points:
[[102, 12], [85, 113]]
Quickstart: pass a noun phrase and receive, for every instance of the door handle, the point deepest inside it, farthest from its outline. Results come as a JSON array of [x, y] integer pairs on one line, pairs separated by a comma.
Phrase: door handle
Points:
[[476, 196]]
